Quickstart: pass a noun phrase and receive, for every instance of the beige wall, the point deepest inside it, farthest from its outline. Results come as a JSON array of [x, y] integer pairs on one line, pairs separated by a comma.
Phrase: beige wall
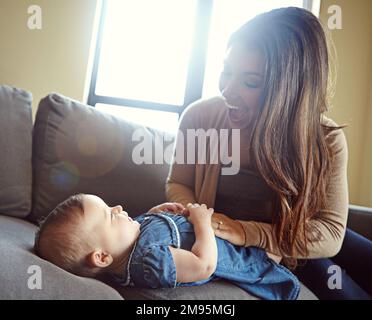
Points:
[[366, 179], [56, 58], [352, 99], [53, 58]]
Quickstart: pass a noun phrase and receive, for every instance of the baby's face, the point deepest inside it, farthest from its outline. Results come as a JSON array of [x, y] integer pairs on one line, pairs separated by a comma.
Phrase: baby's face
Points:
[[113, 230]]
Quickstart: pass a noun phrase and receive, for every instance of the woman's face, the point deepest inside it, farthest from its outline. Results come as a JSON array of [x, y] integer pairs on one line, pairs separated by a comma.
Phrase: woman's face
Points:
[[241, 81]]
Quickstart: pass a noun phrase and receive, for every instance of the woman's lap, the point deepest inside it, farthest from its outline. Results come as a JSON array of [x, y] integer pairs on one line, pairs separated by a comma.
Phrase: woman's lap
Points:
[[355, 263]]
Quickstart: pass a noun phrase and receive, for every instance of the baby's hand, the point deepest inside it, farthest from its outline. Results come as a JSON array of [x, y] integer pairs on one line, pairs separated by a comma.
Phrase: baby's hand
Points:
[[174, 207], [199, 214]]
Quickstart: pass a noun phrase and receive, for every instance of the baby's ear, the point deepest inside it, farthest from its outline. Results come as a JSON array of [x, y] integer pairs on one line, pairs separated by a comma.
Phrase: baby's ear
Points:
[[99, 259]]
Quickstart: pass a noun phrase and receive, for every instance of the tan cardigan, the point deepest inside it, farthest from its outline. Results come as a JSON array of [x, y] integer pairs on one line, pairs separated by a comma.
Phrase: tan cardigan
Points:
[[198, 183]]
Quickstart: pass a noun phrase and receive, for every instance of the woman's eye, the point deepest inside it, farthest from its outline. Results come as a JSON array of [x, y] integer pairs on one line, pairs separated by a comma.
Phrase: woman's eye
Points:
[[252, 85]]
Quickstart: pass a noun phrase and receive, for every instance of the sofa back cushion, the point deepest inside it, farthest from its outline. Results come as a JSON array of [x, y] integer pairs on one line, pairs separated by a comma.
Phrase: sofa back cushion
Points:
[[15, 148], [78, 149]]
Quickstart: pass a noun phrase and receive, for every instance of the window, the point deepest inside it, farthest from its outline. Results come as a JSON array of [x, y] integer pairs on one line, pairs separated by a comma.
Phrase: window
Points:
[[153, 58], [145, 50]]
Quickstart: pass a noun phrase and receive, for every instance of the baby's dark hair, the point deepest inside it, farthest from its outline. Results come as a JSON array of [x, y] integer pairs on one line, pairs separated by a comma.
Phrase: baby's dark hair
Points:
[[62, 240]]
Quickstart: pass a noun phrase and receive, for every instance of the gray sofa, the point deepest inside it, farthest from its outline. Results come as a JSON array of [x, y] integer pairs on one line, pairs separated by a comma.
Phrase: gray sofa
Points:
[[75, 148]]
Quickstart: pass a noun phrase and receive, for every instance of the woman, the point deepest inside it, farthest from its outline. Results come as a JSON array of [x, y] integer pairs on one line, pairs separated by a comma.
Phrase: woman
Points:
[[290, 196]]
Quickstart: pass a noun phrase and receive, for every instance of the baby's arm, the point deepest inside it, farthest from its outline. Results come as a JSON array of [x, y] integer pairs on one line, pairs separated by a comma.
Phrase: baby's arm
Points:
[[199, 263], [174, 207]]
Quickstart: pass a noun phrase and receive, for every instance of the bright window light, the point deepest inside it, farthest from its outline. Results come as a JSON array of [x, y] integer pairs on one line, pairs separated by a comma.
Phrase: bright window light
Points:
[[160, 120], [145, 50], [227, 17]]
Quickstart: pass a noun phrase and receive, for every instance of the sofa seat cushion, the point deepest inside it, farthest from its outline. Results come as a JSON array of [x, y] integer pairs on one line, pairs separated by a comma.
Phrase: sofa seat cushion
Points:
[[15, 146], [215, 290], [20, 267]]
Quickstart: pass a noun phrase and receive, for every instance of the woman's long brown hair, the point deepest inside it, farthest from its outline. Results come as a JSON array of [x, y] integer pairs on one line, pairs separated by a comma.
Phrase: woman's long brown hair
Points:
[[290, 148]]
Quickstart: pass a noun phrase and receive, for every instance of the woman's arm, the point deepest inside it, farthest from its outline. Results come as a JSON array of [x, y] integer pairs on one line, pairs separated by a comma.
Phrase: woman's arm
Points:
[[180, 183], [177, 188], [329, 224], [233, 231]]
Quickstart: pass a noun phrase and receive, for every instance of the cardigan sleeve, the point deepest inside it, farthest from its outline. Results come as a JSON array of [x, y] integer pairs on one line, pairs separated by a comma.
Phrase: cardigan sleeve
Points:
[[329, 224], [180, 184]]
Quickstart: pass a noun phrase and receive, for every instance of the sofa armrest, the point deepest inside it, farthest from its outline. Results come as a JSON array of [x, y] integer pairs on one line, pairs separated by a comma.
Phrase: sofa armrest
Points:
[[360, 220]]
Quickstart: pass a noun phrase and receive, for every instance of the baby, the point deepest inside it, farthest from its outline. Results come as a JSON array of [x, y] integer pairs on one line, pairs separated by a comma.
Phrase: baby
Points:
[[168, 246]]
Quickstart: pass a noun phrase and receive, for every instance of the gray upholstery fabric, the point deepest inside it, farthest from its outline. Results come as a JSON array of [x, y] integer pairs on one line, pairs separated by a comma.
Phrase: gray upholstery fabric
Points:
[[15, 147], [79, 149], [360, 220], [216, 290], [17, 237]]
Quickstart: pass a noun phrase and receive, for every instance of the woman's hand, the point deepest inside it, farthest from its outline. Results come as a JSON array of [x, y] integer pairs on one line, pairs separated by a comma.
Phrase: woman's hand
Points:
[[228, 229], [173, 207], [232, 231]]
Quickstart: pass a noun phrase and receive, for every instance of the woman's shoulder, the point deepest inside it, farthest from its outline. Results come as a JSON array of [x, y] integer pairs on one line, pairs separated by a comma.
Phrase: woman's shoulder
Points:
[[209, 113], [335, 136]]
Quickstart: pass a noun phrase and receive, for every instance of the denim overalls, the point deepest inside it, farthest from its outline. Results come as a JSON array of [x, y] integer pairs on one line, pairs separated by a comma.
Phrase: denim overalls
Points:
[[151, 264]]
